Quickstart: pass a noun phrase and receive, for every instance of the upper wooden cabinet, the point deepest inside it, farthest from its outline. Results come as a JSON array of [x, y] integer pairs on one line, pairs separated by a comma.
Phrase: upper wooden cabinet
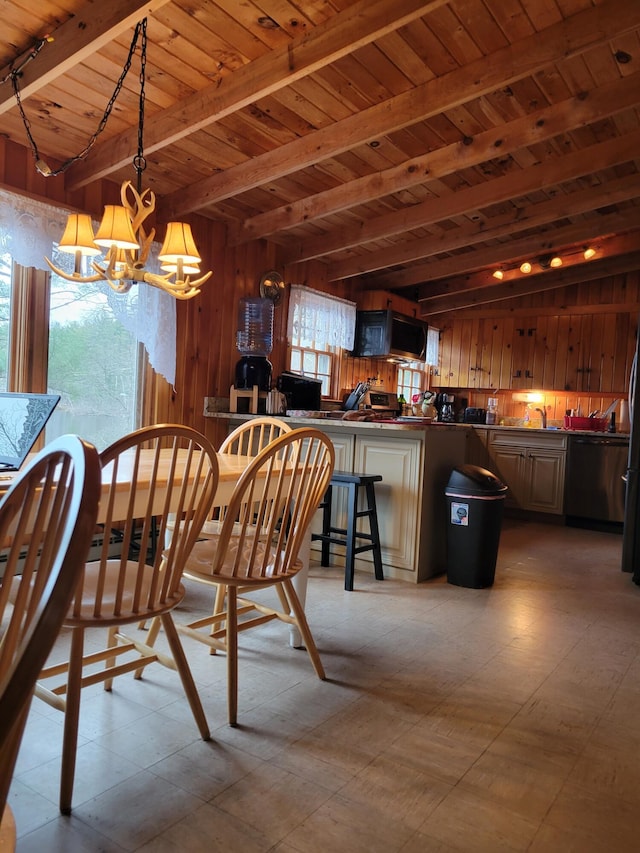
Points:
[[569, 352], [380, 300]]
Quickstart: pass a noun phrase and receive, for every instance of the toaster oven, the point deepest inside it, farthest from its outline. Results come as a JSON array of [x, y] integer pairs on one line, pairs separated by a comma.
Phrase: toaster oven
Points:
[[301, 392]]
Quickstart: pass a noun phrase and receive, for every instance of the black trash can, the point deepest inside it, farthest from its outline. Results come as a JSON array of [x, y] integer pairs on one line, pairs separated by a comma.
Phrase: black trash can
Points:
[[475, 503]]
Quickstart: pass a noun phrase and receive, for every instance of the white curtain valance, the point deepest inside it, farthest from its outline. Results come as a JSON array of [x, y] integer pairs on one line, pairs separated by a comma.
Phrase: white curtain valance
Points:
[[318, 319], [30, 230]]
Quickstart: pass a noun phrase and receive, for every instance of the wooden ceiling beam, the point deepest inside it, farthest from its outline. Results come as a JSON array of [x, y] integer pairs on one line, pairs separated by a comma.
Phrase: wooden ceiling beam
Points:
[[531, 129], [358, 25], [519, 219], [90, 29], [536, 284], [605, 247], [510, 251], [603, 155], [591, 27]]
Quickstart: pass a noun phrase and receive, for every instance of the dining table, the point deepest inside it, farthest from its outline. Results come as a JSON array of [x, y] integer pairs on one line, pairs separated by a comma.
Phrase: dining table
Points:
[[230, 468]]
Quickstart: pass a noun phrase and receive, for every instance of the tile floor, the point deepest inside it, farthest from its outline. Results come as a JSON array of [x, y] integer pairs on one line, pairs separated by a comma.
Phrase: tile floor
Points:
[[452, 720]]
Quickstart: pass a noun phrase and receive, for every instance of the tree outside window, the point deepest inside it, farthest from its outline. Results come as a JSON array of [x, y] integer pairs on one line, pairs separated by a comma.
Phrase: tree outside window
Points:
[[92, 359], [93, 365]]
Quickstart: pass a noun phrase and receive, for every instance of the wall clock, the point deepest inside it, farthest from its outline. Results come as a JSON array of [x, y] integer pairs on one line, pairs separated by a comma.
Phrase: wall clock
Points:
[[272, 286]]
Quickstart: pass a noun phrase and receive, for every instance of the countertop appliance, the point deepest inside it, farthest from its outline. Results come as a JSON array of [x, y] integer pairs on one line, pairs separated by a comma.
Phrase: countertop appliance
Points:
[[362, 397], [594, 485], [444, 407], [387, 334], [474, 415], [301, 392], [381, 402]]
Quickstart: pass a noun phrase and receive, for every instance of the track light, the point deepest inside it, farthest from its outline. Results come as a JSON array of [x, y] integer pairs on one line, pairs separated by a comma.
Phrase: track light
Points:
[[525, 267]]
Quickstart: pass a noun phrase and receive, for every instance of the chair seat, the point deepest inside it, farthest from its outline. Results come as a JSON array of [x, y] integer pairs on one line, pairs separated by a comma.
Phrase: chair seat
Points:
[[136, 584], [199, 564]]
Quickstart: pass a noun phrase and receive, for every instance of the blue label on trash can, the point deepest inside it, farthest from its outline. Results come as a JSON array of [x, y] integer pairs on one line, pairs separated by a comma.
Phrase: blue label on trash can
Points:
[[460, 514]]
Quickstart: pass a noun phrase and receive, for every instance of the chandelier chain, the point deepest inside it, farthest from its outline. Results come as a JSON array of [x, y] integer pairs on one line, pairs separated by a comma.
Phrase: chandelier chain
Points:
[[41, 166], [139, 161]]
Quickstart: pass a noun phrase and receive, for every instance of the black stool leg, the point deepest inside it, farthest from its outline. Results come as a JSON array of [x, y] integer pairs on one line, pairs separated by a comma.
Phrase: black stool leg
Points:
[[352, 520], [326, 525], [375, 533]]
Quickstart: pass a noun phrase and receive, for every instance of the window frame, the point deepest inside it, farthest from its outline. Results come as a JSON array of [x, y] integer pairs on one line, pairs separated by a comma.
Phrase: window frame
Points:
[[408, 389], [29, 336], [331, 377]]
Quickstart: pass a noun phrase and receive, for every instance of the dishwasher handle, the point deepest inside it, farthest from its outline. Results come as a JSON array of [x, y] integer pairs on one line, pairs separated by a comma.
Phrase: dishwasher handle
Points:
[[600, 442]]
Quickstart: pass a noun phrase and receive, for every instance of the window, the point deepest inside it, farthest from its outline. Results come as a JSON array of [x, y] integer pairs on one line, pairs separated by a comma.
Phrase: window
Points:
[[5, 313], [314, 363], [81, 340], [318, 326], [91, 359], [92, 364], [410, 381]]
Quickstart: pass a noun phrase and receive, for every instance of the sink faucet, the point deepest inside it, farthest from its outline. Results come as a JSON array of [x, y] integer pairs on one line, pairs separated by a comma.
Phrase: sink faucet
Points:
[[543, 412]]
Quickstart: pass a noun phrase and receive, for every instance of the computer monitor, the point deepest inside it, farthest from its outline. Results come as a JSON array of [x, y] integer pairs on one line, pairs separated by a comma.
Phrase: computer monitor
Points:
[[22, 419]]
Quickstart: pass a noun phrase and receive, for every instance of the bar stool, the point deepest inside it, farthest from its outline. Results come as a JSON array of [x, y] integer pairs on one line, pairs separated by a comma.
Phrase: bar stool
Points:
[[350, 535]]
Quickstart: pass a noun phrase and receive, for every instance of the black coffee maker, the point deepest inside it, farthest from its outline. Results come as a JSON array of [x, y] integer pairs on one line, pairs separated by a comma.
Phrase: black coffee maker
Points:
[[444, 407]]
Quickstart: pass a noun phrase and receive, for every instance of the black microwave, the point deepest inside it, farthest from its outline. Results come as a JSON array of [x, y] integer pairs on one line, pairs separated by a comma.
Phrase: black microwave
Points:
[[387, 334]]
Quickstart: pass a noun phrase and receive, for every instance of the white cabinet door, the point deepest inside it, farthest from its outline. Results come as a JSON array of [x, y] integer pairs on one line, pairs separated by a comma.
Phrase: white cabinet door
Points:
[[398, 495], [344, 448]]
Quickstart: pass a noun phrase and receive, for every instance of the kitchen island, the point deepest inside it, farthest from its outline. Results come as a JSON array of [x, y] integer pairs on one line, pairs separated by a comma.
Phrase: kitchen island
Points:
[[415, 461]]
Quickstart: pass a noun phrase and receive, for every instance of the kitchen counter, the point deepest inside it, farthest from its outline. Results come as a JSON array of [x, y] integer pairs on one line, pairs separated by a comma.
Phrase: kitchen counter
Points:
[[336, 419], [415, 460]]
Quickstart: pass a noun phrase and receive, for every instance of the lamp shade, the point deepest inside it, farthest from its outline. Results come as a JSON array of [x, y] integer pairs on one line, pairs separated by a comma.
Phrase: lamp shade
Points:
[[115, 229], [78, 235], [179, 245], [185, 269]]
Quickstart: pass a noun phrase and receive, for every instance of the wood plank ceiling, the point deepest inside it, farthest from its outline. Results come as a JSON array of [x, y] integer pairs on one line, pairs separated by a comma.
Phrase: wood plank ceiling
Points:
[[411, 145]]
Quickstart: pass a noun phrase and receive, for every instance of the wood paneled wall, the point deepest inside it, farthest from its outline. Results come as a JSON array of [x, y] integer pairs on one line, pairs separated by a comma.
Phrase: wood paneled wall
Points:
[[576, 343], [604, 311]]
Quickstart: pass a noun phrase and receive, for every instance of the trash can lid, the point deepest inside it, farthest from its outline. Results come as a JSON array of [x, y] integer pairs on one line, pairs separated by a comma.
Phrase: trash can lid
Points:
[[473, 480]]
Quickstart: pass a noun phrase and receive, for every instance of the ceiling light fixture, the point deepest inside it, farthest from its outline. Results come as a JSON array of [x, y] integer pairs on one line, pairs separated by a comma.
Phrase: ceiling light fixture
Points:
[[555, 262], [588, 253], [499, 274], [525, 267], [121, 234]]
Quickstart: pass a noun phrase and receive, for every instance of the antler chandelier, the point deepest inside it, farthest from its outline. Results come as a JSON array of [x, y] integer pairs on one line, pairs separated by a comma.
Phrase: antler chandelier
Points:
[[121, 234]]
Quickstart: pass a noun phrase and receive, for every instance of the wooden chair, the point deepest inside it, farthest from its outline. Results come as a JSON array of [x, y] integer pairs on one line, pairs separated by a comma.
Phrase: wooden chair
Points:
[[246, 440], [251, 436], [47, 521], [170, 471], [263, 529]]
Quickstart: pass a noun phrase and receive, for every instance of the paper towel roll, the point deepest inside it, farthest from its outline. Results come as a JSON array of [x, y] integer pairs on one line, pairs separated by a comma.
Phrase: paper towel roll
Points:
[[624, 424]]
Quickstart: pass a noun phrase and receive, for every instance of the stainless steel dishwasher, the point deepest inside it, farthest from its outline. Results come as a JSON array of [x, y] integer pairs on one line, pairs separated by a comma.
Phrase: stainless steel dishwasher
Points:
[[594, 488]]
